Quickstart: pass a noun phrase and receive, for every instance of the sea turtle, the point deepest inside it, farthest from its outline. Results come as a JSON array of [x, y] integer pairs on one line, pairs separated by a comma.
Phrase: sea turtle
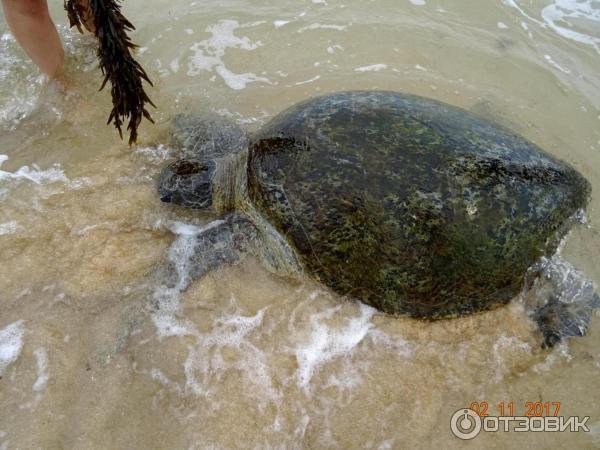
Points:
[[410, 205]]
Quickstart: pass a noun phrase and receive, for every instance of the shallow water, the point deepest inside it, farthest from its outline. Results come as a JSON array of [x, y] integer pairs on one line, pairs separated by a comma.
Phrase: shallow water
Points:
[[95, 353]]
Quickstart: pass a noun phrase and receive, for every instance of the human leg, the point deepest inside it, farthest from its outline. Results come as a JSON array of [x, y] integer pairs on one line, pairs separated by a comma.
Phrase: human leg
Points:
[[32, 26]]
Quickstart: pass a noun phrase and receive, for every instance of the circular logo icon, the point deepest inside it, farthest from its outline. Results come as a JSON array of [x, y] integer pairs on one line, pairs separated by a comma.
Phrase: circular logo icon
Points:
[[465, 424]]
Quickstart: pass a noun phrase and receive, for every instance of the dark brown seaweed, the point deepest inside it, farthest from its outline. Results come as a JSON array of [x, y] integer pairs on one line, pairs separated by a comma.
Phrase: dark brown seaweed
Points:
[[105, 20]]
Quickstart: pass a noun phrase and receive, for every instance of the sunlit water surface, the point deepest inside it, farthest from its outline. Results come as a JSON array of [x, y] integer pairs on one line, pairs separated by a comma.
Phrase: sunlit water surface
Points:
[[95, 354]]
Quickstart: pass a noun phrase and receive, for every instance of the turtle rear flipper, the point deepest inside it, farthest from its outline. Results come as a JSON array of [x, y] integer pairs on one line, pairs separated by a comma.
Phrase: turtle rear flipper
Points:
[[558, 320], [563, 301]]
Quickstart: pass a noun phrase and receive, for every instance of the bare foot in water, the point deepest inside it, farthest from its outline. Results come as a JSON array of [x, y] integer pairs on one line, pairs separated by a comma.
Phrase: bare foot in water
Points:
[[63, 97]]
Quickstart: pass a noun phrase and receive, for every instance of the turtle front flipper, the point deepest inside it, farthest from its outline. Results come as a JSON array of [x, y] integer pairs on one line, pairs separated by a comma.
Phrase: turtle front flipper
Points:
[[561, 301], [221, 242]]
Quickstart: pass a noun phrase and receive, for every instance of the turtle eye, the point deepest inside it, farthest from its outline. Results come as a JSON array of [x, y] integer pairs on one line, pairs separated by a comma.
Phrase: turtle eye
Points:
[[185, 167]]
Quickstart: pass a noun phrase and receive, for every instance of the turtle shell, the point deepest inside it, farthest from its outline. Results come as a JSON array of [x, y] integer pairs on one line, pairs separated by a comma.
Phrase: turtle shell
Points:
[[408, 204]]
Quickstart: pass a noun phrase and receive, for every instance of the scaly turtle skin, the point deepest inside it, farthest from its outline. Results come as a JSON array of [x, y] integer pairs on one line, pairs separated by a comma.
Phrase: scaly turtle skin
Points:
[[410, 205], [407, 204]]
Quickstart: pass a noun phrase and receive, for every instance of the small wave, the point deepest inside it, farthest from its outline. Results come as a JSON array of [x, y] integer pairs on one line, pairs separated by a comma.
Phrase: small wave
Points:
[[35, 174], [38, 177]]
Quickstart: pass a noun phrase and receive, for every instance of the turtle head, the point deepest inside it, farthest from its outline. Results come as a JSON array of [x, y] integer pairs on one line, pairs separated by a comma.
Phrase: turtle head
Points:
[[188, 182]]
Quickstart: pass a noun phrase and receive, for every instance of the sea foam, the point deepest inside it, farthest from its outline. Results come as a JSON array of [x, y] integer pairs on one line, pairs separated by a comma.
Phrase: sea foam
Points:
[[326, 343], [11, 343], [561, 14], [571, 19], [9, 227], [208, 54], [371, 68], [205, 363], [166, 297], [41, 359], [37, 176]]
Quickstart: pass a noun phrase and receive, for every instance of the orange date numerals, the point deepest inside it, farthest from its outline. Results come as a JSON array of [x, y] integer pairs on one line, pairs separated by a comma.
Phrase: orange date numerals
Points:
[[508, 409], [480, 408], [539, 409]]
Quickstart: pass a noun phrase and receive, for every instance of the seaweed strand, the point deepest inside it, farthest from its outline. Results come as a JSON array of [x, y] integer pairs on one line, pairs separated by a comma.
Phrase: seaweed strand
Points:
[[104, 19]]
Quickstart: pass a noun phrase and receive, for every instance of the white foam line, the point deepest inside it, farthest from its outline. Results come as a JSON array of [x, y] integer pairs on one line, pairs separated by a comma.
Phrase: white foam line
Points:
[[41, 359], [317, 26], [308, 81], [371, 68], [555, 64], [11, 343], [239, 81], [513, 4], [9, 227]]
